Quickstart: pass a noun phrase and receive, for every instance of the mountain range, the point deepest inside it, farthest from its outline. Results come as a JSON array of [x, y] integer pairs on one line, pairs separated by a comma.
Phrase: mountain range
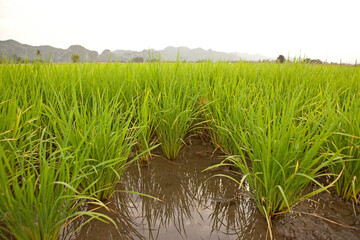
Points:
[[11, 47]]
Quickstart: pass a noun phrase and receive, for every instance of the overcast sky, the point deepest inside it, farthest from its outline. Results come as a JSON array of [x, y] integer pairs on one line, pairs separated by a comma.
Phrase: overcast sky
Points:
[[328, 30]]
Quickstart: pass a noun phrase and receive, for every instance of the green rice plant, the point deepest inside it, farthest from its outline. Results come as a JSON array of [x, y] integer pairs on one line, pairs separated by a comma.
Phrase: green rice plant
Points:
[[146, 123], [273, 119], [99, 130], [226, 106], [11, 124], [346, 139], [19, 110], [40, 191], [229, 89], [280, 151], [176, 110]]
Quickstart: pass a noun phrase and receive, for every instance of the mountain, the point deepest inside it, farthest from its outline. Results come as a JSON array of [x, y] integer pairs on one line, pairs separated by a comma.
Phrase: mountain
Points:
[[185, 53], [107, 55], [251, 57], [12, 47], [84, 53]]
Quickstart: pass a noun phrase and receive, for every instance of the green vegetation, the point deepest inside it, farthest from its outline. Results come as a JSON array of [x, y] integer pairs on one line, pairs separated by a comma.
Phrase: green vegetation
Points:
[[281, 59], [346, 138], [40, 181], [75, 58], [68, 132], [137, 59]]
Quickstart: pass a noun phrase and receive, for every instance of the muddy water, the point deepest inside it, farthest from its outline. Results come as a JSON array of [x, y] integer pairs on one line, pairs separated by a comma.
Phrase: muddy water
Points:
[[192, 207], [196, 207]]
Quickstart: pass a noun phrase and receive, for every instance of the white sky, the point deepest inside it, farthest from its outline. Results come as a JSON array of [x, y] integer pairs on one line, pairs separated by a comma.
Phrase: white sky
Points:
[[324, 29]]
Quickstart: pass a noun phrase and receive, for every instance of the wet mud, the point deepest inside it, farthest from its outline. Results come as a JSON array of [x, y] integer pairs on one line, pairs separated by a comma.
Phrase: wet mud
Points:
[[311, 219], [195, 206]]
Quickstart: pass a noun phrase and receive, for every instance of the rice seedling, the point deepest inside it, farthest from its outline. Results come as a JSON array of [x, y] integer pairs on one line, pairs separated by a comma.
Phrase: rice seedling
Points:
[[278, 137], [100, 132], [279, 158], [346, 139], [176, 110], [146, 125], [39, 191]]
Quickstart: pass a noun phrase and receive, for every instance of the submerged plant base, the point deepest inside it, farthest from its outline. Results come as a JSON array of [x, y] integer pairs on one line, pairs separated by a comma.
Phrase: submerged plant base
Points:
[[196, 207]]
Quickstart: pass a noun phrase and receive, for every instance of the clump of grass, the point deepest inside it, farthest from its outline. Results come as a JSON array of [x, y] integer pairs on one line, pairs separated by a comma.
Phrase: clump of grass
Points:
[[146, 124], [272, 120], [40, 191], [100, 132], [346, 139], [276, 138], [176, 109], [280, 155]]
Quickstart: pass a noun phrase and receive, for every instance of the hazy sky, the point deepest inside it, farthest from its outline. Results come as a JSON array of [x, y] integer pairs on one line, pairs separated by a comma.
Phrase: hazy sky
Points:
[[328, 30]]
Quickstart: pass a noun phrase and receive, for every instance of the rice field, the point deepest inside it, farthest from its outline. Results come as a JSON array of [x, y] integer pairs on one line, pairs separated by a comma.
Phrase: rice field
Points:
[[69, 132]]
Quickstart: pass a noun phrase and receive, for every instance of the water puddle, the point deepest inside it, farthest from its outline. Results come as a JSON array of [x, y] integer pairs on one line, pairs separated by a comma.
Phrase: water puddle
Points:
[[195, 206]]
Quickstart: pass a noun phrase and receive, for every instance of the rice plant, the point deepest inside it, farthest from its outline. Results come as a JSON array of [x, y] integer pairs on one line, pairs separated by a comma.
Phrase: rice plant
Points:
[[176, 109], [146, 124], [346, 138], [100, 132], [68, 130], [40, 191], [278, 138]]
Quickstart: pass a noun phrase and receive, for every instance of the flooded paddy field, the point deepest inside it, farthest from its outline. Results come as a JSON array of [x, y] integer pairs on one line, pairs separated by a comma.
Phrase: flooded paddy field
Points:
[[197, 206], [71, 135]]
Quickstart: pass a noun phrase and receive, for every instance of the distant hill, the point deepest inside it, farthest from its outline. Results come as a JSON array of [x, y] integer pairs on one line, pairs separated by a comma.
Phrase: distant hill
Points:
[[185, 53], [12, 47]]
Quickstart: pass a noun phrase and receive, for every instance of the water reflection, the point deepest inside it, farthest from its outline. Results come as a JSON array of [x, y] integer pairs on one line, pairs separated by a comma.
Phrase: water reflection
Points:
[[191, 207]]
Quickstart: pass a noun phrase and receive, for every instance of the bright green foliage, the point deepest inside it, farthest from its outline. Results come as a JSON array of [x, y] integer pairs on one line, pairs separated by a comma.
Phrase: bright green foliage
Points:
[[146, 124], [347, 138], [100, 132], [275, 123], [39, 191], [279, 153], [176, 110], [67, 131]]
